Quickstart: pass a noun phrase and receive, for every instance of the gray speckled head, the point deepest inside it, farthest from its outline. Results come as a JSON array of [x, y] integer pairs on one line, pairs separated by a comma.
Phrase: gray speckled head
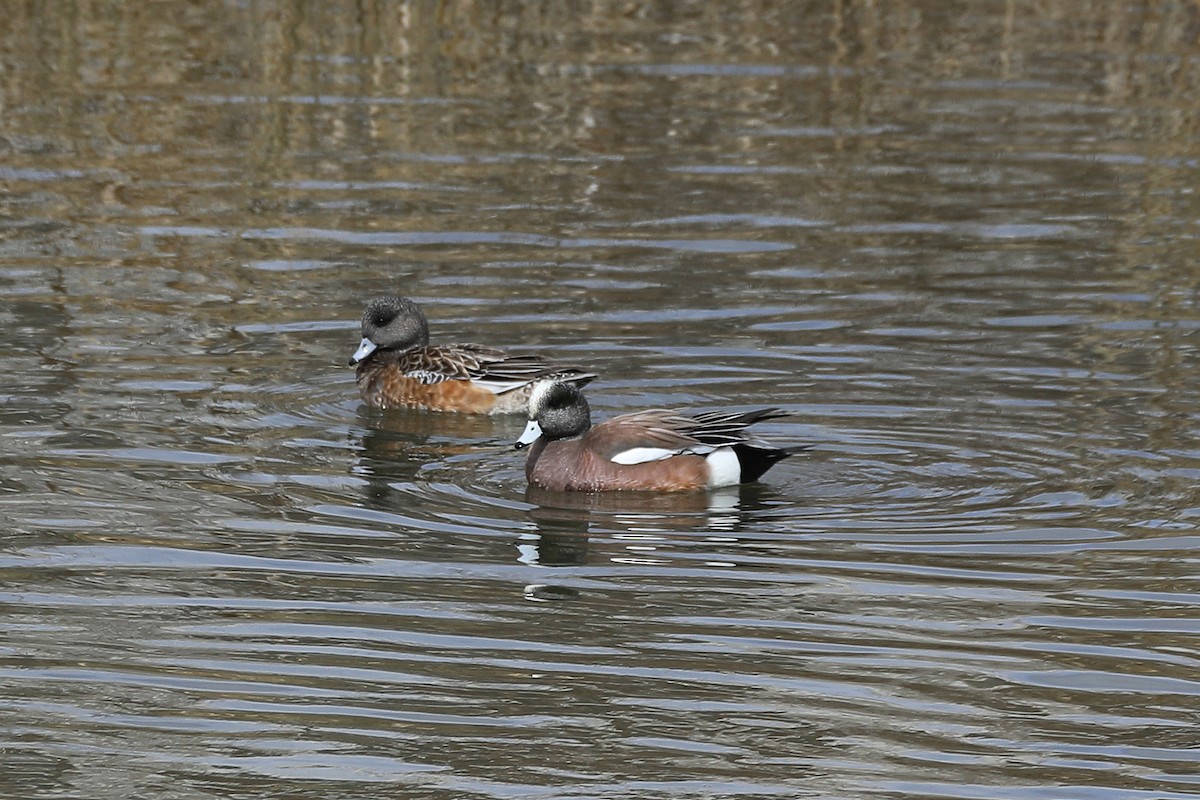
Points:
[[391, 323]]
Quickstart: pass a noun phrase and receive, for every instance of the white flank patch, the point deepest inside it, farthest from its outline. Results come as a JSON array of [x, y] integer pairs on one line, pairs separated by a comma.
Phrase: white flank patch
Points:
[[640, 455], [724, 469], [365, 348], [532, 433]]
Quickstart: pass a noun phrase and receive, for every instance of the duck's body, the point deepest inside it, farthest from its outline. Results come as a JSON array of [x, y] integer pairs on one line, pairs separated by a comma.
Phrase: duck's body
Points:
[[398, 368], [655, 450]]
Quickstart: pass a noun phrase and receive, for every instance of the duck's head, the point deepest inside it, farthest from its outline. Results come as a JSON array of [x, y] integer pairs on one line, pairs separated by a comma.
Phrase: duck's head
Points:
[[557, 410], [391, 323]]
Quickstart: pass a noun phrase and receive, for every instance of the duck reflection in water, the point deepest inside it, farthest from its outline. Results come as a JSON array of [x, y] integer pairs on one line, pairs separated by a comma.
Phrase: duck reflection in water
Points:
[[566, 526], [628, 522]]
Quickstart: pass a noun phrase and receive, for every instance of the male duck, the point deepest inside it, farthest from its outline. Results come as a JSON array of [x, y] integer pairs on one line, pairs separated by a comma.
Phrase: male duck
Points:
[[398, 368], [653, 450]]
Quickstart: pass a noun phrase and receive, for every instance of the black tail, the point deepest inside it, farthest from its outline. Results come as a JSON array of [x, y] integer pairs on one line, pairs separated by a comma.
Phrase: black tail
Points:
[[755, 460]]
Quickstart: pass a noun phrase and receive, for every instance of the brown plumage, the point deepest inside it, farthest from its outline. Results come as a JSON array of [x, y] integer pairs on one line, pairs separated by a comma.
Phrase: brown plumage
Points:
[[398, 368]]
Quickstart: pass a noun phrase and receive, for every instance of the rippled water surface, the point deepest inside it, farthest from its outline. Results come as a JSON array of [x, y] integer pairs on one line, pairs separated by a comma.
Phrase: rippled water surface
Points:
[[958, 242]]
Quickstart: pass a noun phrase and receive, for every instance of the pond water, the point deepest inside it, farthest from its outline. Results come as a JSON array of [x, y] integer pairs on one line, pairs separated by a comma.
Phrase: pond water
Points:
[[959, 242]]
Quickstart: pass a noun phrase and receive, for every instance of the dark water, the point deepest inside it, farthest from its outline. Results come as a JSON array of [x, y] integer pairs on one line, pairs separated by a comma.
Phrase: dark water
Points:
[[959, 241]]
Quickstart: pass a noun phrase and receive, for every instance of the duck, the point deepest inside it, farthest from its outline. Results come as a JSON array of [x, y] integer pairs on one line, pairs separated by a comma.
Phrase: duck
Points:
[[655, 450], [397, 367]]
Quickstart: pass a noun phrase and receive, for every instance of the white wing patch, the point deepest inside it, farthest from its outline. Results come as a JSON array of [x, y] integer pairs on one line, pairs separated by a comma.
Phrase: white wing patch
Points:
[[641, 455]]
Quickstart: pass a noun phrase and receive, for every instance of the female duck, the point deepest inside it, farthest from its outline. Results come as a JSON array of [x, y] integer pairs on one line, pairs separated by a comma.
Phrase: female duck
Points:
[[398, 368], [653, 450]]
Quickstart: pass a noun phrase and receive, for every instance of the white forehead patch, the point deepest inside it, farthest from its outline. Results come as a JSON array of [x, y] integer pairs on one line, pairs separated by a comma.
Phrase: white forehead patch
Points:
[[538, 396]]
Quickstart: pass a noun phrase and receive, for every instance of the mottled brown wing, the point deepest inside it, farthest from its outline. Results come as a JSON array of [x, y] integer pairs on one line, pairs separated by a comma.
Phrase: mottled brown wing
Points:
[[440, 363], [463, 362], [488, 364]]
